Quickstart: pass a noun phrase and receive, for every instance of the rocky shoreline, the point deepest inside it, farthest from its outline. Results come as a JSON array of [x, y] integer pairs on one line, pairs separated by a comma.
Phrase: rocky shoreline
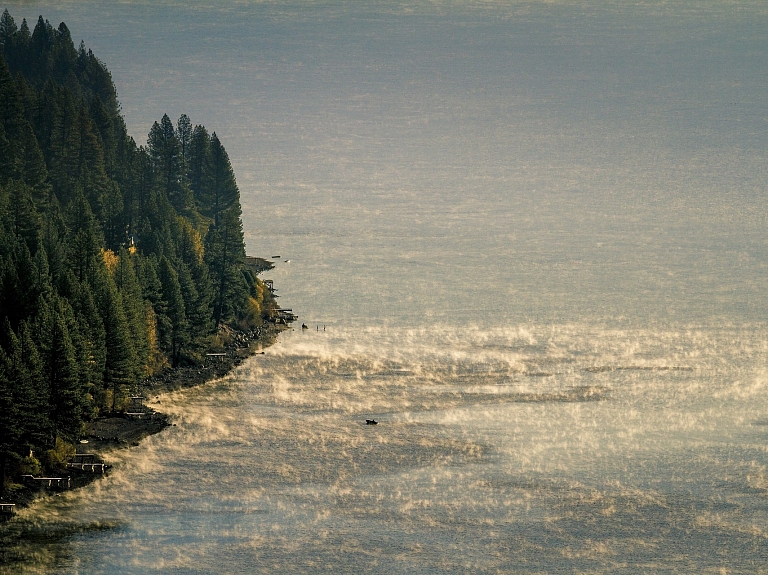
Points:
[[122, 430]]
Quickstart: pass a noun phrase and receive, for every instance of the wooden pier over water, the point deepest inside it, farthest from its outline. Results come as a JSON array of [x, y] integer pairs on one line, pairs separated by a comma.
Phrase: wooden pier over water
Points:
[[49, 482], [86, 462]]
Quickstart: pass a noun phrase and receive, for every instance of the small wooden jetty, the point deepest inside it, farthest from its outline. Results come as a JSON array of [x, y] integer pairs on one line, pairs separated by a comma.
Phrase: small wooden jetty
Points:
[[49, 482], [86, 462], [7, 508]]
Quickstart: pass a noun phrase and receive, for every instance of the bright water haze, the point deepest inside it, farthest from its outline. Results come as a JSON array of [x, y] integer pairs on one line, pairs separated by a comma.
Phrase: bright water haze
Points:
[[535, 234]]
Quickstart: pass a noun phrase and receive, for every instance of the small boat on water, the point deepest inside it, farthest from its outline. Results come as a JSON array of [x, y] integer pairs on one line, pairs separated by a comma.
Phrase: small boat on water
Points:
[[371, 422]]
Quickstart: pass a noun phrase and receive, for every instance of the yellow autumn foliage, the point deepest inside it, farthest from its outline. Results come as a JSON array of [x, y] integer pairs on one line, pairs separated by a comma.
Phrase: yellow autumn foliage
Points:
[[111, 260], [194, 237], [254, 310], [261, 289]]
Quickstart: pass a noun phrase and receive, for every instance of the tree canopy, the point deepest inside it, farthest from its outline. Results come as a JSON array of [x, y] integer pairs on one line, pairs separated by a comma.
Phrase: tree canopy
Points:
[[116, 259]]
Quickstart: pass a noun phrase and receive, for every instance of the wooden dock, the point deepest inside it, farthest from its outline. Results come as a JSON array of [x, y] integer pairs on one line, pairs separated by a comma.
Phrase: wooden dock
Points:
[[86, 462], [49, 482], [92, 467]]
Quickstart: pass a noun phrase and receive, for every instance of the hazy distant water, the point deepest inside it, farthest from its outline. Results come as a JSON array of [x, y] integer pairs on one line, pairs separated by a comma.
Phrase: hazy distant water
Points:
[[535, 233]]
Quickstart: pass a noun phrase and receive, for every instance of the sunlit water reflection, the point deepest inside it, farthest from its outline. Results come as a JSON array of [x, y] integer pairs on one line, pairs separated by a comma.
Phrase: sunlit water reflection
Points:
[[537, 450]]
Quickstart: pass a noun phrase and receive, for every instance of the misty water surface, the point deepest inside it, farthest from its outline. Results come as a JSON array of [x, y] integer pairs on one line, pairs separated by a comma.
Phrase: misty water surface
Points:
[[535, 235]]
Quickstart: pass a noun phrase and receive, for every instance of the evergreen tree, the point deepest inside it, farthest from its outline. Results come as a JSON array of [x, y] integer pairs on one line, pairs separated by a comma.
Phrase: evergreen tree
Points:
[[64, 57], [91, 173], [48, 120], [41, 44], [199, 165], [57, 125], [222, 194], [225, 254], [22, 215], [19, 289], [69, 405], [121, 365], [145, 180], [184, 133], [31, 402], [146, 271], [134, 309], [90, 341], [165, 152], [24, 37], [105, 130], [31, 164], [13, 123], [53, 233], [7, 27], [84, 239], [114, 224], [154, 306], [199, 300], [173, 330], [16, 49]]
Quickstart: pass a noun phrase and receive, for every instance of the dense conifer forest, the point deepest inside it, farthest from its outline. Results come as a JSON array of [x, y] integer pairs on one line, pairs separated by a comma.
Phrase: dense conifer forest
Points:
[[117, 260]]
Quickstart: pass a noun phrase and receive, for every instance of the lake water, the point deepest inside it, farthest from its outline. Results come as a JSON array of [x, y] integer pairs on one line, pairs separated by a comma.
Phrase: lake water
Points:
[[529, 238]]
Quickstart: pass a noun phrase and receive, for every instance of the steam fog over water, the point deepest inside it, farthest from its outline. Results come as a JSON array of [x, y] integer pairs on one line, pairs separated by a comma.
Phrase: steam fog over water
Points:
[[535, 235]]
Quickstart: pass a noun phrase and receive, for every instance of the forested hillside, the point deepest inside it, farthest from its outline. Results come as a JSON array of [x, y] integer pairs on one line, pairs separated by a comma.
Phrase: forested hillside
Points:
[[116, 259]]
